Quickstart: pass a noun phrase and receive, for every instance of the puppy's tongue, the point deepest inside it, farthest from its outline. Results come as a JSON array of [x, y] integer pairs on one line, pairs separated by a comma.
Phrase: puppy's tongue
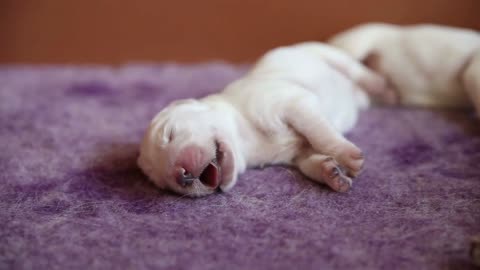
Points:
[[210, 175]]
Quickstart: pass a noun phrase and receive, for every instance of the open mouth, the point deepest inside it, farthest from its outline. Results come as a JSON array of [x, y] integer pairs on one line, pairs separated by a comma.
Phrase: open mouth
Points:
[[210, 175]]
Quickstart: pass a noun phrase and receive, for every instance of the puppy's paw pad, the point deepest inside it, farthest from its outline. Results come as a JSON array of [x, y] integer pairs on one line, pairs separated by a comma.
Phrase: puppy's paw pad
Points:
[[338, 181], [334, 176]]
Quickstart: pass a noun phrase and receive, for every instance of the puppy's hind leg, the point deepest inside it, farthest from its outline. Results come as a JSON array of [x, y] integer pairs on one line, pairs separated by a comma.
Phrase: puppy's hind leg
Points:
[[471, 80], [367, 78], [324, 169], [305, 117]]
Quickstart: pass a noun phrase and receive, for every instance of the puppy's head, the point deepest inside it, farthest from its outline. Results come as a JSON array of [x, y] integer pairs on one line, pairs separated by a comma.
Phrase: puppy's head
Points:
[[186, 149]]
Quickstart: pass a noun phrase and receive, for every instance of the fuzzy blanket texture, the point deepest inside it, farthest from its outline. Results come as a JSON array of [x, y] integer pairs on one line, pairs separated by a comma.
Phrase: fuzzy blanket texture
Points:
[[72, 197]]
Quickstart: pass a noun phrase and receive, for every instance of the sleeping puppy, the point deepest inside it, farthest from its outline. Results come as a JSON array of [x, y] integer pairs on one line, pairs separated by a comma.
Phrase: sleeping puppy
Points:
[[425, 65], [291, 108]]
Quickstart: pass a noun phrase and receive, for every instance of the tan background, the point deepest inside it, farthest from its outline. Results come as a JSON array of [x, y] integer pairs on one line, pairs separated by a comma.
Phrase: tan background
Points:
[[117, 31]]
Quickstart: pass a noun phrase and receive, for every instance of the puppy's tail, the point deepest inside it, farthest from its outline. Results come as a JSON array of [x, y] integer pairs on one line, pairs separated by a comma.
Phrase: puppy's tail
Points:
[[361, 40]]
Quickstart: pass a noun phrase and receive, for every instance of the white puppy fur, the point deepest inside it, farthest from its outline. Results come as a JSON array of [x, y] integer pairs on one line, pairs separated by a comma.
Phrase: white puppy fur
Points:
[[291, 108], [425, 65]]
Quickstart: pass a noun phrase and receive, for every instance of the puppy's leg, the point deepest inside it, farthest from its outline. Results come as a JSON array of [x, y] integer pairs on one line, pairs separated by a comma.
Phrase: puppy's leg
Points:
[[368, 80], [324, 169], [303, 115], [368, 77], [385, 94], [471, 80]]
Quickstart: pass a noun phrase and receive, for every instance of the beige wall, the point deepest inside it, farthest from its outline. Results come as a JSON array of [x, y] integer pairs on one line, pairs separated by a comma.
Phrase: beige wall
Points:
[[117, 31]]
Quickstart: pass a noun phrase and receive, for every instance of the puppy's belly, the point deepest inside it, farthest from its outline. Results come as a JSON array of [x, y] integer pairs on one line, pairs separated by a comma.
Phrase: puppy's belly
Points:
[[452, 95], [428, 83], [435, 101]]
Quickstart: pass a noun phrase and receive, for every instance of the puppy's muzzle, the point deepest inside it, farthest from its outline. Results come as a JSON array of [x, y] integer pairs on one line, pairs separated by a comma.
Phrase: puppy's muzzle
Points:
[[210, 176]]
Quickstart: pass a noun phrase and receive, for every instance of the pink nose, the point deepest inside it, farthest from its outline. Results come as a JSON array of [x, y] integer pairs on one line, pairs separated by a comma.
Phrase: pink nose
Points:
[[191, 158], [194, 163], [183, 177]]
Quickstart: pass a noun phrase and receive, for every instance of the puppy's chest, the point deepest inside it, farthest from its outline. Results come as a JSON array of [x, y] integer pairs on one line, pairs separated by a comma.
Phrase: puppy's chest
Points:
[[275, 146]]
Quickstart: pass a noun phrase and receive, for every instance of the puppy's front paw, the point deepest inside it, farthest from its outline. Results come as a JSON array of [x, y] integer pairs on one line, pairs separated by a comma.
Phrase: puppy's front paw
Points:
[[334, 175], [351, 159]]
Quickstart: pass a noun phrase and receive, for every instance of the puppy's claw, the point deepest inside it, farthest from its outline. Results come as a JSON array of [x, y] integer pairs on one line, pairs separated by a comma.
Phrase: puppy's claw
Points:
[[345, 184], [335, 176], [339, 181], [335, 172]]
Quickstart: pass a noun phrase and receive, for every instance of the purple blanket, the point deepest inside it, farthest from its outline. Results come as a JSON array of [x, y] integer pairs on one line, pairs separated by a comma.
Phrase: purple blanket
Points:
[[72, 197]]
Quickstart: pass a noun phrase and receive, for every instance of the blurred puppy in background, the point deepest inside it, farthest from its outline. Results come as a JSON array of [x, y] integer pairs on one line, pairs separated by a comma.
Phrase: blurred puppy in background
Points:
[[291, 108], [425, 65]]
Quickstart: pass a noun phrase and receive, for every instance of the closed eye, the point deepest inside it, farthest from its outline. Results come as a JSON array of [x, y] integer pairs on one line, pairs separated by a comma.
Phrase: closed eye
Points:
[[171, 135], [168, 135]]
